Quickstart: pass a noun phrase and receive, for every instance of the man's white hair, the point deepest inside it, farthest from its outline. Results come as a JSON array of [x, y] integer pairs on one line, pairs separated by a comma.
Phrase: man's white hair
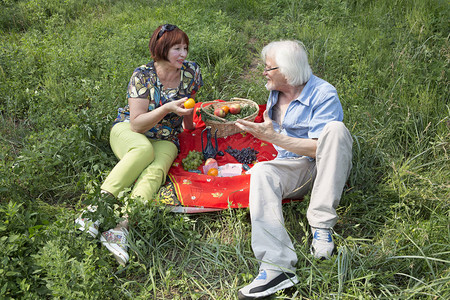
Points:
[[291, 58]]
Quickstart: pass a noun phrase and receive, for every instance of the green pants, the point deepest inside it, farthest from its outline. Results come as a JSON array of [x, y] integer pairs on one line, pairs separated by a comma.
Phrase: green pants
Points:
[[143, 161]]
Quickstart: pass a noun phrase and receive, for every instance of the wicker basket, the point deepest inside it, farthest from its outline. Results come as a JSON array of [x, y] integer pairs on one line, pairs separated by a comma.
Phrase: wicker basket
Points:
[[223, 126]]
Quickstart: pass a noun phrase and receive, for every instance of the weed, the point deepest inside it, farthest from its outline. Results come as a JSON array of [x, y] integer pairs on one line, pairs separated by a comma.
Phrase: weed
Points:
[[64, 68]]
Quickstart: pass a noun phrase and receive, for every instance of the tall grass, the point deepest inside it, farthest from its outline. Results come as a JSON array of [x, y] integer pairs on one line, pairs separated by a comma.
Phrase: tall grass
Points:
[[64, 67]]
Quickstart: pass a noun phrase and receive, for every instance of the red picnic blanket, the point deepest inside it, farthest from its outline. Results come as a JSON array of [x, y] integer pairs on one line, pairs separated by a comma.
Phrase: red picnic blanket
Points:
[[200, 192]]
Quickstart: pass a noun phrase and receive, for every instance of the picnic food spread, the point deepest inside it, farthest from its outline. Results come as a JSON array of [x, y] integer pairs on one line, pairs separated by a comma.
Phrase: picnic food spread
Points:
[[193, 191]]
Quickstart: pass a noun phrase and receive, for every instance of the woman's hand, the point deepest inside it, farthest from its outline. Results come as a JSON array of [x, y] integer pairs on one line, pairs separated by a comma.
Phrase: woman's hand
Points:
[[263, 131], [177, 106], [142, 120]]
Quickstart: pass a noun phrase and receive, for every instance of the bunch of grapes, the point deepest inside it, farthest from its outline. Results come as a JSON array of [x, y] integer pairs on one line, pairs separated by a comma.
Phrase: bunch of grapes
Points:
[[244, 156], [193, 160]]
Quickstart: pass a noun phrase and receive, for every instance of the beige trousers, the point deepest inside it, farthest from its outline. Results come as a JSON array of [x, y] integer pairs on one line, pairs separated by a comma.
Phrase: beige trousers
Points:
[[272, 181]]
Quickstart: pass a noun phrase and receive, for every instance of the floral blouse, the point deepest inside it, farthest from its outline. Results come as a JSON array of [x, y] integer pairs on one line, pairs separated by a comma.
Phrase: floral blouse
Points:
[[144, 83]]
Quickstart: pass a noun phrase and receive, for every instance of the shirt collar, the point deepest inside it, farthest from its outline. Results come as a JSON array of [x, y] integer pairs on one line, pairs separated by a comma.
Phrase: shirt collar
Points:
[[305, 96]]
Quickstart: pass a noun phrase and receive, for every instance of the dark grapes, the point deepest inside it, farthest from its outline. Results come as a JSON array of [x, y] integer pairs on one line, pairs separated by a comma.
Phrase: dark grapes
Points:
[[244, 156]]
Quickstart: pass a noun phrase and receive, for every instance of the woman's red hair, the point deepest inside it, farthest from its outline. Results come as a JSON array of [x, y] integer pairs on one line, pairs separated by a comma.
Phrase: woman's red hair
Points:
[[159, 47]]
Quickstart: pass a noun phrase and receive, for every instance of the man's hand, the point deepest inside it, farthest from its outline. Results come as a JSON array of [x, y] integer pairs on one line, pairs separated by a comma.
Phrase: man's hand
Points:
[[263, 131]]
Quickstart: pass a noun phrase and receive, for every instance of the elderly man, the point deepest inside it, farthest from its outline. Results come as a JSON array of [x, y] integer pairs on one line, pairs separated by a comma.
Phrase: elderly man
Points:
[[303, 121]]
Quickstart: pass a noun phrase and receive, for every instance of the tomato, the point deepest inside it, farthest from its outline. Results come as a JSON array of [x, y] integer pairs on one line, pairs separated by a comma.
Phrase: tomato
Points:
[[225, 108], [213, 172], [189, 103]]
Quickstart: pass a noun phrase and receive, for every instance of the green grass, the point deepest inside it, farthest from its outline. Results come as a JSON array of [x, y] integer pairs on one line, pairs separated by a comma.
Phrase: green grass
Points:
[[64, 68]]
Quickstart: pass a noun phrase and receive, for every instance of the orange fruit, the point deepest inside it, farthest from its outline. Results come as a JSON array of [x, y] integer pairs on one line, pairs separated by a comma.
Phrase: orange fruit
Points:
[[213, 172], [189, 103], [225, 108]]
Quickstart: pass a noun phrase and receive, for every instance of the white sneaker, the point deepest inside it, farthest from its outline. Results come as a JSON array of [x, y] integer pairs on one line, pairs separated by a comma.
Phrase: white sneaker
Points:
[[116, 242], [86, 224], [322, 244], [267, 282]]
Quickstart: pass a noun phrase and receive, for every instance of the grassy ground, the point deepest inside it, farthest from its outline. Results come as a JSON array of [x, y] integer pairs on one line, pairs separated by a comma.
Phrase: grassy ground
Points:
[[64, 67]]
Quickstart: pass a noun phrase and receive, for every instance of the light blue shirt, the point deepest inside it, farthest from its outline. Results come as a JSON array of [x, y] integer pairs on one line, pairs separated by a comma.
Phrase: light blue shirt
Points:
[[306, 116]]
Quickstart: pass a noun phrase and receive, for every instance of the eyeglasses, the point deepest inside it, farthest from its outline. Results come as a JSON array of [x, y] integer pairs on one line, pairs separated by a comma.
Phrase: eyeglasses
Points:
[[271, 69], [164, 28]]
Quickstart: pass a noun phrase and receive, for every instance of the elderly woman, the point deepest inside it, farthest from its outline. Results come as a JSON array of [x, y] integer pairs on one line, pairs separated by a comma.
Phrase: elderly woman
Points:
[[303, 121], [144, 134]]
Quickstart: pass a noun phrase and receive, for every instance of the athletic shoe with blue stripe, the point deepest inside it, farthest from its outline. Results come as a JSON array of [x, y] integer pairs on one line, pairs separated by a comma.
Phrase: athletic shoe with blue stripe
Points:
[[322, 244], [267, 282]]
